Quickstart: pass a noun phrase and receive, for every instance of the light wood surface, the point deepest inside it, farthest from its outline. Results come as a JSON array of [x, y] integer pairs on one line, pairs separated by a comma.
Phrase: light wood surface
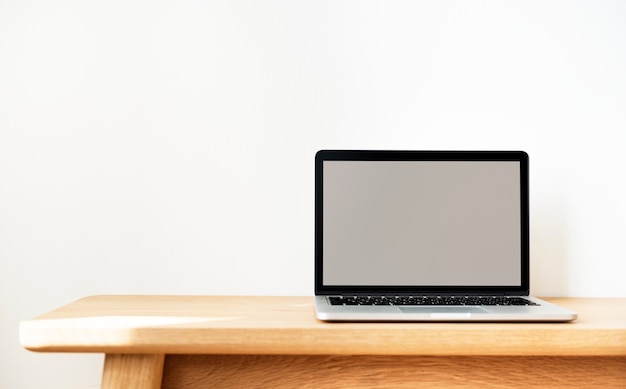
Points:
[[223, 342], [371, 371], [287, 325], [133, 371]]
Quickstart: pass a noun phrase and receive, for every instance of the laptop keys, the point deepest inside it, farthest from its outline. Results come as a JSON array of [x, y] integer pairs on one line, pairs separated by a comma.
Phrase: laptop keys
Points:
[[430, 300]]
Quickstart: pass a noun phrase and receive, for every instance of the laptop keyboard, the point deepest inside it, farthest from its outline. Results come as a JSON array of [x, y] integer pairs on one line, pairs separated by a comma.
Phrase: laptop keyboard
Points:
[[430, 300]]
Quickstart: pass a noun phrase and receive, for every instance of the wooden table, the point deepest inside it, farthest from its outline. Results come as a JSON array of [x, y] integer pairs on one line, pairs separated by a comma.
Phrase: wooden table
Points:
[[244, 342]]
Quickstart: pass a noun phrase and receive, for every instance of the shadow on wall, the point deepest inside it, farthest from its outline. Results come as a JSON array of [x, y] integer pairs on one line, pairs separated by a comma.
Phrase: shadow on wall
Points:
[[549, 241]]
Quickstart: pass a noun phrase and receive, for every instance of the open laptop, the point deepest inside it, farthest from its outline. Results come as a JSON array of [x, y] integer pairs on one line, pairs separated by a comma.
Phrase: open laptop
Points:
[[424, 236]]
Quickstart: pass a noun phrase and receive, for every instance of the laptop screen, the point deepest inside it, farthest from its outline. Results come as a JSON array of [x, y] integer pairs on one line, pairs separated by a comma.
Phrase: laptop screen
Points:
[[421, 219]]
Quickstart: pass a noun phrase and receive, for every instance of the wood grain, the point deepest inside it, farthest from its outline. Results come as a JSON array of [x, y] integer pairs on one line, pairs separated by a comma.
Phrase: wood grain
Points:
[[136, 371], [301, 371], [287, 325], [277, 342]]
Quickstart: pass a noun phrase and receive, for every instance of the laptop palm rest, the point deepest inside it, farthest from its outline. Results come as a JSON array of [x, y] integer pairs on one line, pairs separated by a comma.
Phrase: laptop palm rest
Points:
[[442, 310]]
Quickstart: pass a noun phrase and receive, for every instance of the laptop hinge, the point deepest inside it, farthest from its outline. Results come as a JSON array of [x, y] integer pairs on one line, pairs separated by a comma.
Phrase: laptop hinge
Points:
[[406, 294]]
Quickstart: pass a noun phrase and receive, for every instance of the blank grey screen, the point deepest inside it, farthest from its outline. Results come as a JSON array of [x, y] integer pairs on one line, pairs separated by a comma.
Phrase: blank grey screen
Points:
[[424, 223]]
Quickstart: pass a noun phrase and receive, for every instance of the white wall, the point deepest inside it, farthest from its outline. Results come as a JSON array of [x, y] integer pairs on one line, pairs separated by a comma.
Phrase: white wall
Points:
[[167, 146]]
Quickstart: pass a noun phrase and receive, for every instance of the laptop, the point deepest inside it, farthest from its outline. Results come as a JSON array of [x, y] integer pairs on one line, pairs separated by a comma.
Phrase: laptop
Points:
[[424, 236]]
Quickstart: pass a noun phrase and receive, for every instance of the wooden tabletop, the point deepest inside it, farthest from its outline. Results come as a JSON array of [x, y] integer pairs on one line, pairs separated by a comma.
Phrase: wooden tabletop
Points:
[[287, 325]]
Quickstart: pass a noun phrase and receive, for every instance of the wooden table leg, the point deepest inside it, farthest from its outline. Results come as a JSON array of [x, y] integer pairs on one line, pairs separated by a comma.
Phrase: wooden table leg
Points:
[[140, 371]]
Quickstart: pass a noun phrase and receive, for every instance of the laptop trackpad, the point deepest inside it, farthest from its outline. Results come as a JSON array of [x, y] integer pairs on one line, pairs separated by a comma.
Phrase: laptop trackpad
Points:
[[444, 311]]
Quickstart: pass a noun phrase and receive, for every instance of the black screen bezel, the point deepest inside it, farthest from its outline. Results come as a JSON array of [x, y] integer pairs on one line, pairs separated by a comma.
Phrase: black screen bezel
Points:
[[387, 155]]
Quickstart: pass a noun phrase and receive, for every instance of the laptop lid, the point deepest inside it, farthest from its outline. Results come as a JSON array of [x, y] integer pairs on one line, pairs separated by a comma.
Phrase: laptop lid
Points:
[[421, 222]]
